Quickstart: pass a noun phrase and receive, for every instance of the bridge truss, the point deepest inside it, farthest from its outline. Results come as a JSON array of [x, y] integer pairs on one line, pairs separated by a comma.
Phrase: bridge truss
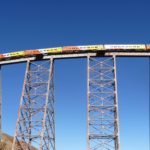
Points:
[[35, 127], [102, 105]]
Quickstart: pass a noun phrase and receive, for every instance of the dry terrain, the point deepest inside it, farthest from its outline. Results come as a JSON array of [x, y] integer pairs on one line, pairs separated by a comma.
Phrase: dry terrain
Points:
[[6, 143]]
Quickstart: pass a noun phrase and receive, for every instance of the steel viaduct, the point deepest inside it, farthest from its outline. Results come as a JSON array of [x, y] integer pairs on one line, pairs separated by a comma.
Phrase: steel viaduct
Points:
[[35, 126]]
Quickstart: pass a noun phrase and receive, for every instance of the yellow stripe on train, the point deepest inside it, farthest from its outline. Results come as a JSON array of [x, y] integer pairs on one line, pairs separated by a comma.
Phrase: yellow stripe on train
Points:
[[91, 47], [19, 53], [54, 50]]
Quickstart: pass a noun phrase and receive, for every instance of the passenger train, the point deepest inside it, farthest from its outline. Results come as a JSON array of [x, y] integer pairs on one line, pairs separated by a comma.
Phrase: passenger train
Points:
[[76, 49]]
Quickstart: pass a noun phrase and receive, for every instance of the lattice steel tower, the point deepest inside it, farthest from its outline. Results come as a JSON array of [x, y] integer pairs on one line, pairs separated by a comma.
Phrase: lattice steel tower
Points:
[[35, 127], [102, 107]]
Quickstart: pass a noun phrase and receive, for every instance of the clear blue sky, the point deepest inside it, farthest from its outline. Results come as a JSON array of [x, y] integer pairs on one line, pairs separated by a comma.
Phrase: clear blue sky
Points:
[[39, 24]]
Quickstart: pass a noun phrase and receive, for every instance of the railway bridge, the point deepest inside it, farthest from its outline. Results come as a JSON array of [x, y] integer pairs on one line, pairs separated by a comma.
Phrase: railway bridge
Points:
[[35, 126]]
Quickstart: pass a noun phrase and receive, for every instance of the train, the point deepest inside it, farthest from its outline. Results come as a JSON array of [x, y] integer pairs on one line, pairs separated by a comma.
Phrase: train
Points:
[[76, 49]]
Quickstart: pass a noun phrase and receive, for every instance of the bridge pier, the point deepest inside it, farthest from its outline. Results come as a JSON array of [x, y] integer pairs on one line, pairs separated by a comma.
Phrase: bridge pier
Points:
[[102, 104], [35, 125], [0, 104]]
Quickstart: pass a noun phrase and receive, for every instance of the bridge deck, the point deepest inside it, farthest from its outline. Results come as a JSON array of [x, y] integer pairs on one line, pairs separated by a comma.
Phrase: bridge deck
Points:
[[78, 55]]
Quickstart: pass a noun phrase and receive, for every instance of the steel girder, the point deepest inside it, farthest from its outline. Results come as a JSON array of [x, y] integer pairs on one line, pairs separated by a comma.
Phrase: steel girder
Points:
[[102, 105], [35, 127]]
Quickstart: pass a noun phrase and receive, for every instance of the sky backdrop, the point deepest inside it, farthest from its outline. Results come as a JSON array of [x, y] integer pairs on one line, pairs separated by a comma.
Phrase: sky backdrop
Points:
[[42, 24]]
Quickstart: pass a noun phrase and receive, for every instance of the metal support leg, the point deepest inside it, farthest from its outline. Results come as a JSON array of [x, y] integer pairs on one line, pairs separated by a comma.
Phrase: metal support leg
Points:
[[35, 126], [0, 104], [102, 105]]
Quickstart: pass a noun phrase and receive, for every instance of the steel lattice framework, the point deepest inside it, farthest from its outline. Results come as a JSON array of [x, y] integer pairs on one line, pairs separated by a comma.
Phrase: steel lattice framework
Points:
[[35, 128], [102, 115]]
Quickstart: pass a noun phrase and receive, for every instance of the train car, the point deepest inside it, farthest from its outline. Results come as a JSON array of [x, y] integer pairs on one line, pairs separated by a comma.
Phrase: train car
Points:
[[68, 49], [82, 48], [12, 55], [28, 53], [92, 47], [16, 54], [51, 50], [147, 47], [125, 47]]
